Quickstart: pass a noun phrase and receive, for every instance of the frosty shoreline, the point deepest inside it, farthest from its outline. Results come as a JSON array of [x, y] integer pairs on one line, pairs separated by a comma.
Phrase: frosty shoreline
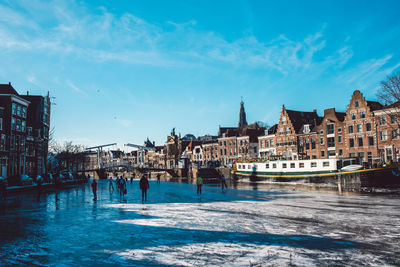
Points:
[[240, 227]]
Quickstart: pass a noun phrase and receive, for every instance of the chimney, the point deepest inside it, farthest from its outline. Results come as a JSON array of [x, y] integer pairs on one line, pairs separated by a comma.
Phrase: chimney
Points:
[[314, 110], [27, 92], [9, 83]]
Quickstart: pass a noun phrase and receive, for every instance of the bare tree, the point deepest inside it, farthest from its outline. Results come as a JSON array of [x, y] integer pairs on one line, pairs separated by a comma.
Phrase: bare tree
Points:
[[389, 92]]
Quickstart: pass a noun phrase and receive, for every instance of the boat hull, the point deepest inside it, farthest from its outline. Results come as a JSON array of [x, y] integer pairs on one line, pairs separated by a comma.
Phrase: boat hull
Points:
[[359, 180]]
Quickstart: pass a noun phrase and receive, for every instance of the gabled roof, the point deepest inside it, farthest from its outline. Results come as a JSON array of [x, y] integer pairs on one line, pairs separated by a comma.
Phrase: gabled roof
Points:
[[374, 105], [272, 129], [299, 118], [7, 89], [394, 105]]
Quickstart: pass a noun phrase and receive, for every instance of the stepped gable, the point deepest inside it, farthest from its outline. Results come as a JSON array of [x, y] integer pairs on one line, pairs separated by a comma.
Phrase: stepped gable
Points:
[[299, 118], [7, 89]]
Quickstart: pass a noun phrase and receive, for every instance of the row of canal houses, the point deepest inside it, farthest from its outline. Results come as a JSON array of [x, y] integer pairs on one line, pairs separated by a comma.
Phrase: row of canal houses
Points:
[[367, 130], [24, 132]]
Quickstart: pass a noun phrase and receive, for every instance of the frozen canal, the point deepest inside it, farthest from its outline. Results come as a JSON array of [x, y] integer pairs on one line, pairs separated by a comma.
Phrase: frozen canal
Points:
[[242, 227]]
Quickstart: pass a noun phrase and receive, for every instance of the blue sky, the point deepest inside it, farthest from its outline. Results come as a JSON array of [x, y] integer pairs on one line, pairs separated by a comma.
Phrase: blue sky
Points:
[[122, 71]]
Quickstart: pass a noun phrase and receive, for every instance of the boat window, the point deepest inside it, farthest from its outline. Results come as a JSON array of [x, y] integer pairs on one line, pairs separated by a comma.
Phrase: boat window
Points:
[[283, 165], [301, 165], [292, 165], [274, 165], [249, 167], [313, 164], [267, 166], [325, 164]]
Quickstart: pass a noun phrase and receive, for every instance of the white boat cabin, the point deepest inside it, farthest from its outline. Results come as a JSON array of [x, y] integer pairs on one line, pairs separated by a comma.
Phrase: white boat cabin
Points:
[[291, 166]]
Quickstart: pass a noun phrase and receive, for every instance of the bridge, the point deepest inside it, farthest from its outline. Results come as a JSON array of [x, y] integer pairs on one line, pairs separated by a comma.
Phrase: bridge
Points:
[[103, 167]]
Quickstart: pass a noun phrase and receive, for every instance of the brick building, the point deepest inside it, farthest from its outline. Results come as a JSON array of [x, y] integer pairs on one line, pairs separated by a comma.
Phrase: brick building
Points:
[[388, 125], [360, 129]]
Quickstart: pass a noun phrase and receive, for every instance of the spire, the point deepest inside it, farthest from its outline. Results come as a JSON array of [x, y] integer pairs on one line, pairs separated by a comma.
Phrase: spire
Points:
[[242, 115]]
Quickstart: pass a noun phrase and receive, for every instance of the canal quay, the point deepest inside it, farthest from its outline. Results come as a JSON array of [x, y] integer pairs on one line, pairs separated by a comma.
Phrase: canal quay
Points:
[[252, 225]]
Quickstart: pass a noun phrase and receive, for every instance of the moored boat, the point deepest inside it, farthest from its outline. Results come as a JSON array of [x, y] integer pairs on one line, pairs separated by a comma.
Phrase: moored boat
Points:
[[344, 174]]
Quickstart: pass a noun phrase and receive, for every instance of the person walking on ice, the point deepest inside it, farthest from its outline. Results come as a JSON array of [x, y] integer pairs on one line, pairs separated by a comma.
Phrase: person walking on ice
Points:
[[199, 183], [144, 185], [94, 189], [223, 182]]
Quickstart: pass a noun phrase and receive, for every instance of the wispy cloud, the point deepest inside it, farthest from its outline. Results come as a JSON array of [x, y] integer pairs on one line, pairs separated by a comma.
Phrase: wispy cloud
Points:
[[76, 88]]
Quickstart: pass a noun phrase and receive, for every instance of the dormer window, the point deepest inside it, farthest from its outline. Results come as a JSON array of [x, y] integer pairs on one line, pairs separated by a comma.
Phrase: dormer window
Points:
[[306, 128]]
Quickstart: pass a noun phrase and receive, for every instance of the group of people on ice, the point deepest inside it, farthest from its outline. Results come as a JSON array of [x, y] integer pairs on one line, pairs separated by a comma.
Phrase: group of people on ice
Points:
[[144, 185]]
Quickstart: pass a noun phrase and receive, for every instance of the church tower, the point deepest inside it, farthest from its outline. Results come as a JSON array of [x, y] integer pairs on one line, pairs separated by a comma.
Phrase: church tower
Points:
[[242, 116]]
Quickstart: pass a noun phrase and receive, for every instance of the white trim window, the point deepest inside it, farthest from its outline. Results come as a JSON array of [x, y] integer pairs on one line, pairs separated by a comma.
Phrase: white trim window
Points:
[[383, 135]]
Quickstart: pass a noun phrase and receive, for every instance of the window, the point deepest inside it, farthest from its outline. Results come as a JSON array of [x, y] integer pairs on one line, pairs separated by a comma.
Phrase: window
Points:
[[340, 152], [23, 112], [352, 155], [331, 153], [351, 130], [370, 140], [322, 140], [313, 164], [284, 165], [274, 165], [3, 142], [382, 120], [359, 128], [362, 115], [360, 141], [395, 134], [271, 142], [393, 118], [339, 130], [383, 135], [331, 141], [368, 127], [353, 116], [23, 127], [361, 155], [14, 109], [306, 128], [307, 144], [301, 165], [261, 144], [18, 125], [224, 143], [313, 157], [321, 132], [13, 123], [313, 143], [225, 151], [351, 142], [292, 165], [322, 153], [330, 128], [267, 166], [339, 139], [325, 164], [357, 104]]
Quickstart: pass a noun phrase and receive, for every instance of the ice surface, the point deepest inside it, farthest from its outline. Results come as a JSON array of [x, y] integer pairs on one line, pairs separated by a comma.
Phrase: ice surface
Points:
[[254, 225]]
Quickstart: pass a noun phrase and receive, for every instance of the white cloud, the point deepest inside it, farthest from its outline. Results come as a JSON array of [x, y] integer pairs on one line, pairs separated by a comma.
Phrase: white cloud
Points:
[[76, 88]]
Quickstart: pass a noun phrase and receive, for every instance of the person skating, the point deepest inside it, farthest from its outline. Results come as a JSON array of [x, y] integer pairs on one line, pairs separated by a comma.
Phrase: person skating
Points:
[[199, 183], [158, 178], [94, 189], [223, 182], [144, 185], [39, 186]]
